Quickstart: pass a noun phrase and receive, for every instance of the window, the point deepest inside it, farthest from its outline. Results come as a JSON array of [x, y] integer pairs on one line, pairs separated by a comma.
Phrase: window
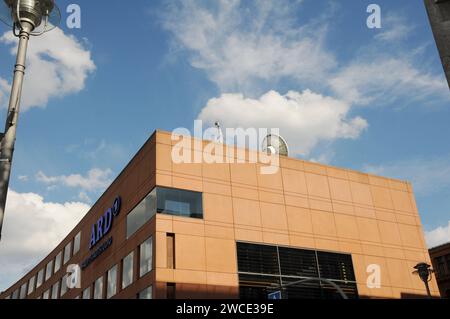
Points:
[[15, 294], [58, 262], [171, 251], [98, 288], [31, 283], [179, 202], [146, 293], [46, 294], [127, 270], [111, 285], [64, 285], [142, 213], [49, 270], [23, 291], [76, 243], [67, 252], [262, 269], [170, 290], [146, 252], [87, 293], [40, 278], [55, 290]]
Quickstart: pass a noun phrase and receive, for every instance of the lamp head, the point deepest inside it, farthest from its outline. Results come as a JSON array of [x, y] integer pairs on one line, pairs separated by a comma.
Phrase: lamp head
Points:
[[423, 269], [31, 11]]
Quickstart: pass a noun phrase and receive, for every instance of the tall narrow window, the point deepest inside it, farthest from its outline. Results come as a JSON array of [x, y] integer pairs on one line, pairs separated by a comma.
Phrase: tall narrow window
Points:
[[31, 283], [64, 285], [46, 294], [111, 282], [127, 270], [87, 293], [98, 288], [76, 243], [170, 251], [40, 278], [55, 290], [67, 252], [58, 262], [146, 257], [15, 294], [49, 270], [171, 290], [23, 291]]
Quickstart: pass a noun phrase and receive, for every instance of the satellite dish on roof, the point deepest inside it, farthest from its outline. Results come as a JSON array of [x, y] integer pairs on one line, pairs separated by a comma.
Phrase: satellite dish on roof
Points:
[[275, 144]]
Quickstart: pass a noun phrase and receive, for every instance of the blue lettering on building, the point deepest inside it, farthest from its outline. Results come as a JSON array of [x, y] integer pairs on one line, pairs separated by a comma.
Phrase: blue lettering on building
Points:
[[103, 225]]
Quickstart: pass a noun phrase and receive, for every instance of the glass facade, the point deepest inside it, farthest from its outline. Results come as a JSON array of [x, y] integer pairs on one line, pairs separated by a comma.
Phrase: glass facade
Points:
[[264, 269], [40, 278], [98, 288], [127, 270], [31, 283], [49, 270], [165, 201], [146, 257], [46, 294], [67, 252], [142, 213], [58, 262], [111, 286], [76, 243], [179, 202], [146, 293]]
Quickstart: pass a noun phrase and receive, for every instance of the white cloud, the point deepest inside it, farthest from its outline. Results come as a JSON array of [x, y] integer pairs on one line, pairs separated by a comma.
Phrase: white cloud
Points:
[[84, 197], [428, 175], [394, 28], [23, 178], [32, 228], [438, 236], [57, 65], [304, 118], [238, 47], [385, 80], [243, 45], [96, 179]]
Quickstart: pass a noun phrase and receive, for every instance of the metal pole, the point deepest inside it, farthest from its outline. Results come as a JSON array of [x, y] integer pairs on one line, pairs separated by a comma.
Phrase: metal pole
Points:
[[9, 138], [428, 289]]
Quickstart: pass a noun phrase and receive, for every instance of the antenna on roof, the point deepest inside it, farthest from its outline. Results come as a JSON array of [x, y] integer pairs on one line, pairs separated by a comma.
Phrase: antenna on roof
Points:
[[219, 135]]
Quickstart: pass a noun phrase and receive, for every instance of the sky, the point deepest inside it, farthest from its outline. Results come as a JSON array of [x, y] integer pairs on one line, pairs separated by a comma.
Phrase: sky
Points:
[[344, 94]]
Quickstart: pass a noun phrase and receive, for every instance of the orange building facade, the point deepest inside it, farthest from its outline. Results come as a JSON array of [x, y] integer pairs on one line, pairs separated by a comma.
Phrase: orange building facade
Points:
[[209, 230]]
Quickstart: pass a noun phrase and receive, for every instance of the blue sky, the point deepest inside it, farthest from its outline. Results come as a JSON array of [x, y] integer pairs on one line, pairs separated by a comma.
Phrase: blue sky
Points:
[[378, 97]]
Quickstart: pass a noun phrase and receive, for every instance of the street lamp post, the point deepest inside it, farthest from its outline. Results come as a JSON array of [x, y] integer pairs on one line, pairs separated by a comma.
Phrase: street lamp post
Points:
[[25, 16], [424, 271]]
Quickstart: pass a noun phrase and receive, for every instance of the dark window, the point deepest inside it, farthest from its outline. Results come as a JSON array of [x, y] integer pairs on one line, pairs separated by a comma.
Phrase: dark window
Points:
[[261, 259], [440, 271], [335, 266], [171, 290], [179, 202], [302, 273], [171, 251], [298, 262]]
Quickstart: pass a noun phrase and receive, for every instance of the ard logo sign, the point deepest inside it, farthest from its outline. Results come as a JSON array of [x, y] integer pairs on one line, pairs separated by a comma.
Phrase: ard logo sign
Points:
[[104, 223]]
